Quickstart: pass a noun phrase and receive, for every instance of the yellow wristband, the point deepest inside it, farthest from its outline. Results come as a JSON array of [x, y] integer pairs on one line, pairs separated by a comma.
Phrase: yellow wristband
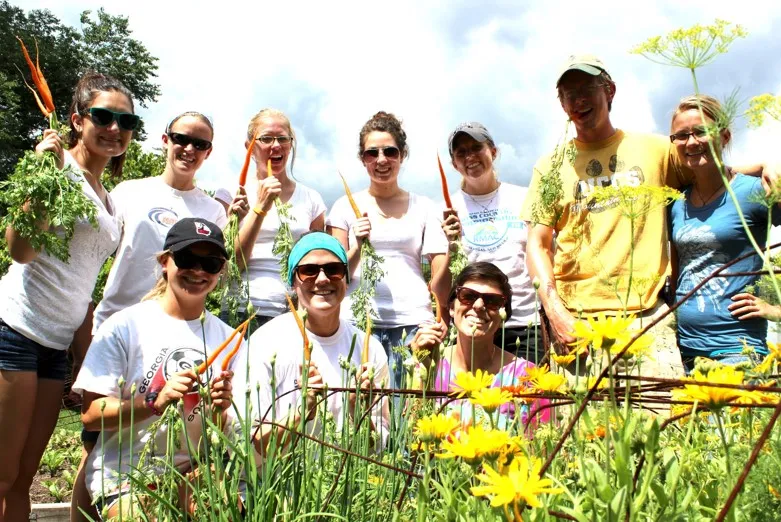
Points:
[[259, 211]]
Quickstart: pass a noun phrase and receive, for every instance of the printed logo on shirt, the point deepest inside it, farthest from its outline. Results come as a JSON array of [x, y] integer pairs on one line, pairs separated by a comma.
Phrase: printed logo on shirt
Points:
[[202, 229], [487, 230], [163, 216], [584, 188]]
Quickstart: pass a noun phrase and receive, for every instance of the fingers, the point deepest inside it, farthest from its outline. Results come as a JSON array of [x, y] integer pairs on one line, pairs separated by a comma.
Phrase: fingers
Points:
[[451, 226], [53, 143], [362, 228], [744, 306]]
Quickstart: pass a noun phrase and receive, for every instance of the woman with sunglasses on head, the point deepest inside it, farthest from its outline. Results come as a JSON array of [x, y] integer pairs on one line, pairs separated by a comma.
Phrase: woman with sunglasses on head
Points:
[[44, 300], [275, 141], [479, 295], [145, 358], [706, 233], [402, 227], [485, 219], [318, 274]]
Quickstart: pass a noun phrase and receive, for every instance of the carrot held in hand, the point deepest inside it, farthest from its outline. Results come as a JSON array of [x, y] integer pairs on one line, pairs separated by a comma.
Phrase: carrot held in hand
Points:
[[245, 167], [445, 191], [216, 353], [301, 328], [367, 336], [228, 358], [268, 168], [350, 197], [438, 317]]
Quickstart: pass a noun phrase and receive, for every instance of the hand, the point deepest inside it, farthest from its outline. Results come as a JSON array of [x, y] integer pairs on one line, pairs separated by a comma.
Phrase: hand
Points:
[[53, 143], [269, 189], [451, 225], [175, 388], [222, 390], [239, 205], [365, 380], [770, 177], [429, 336], [362, 228], [748, 306], [562, 325], [314, 391]]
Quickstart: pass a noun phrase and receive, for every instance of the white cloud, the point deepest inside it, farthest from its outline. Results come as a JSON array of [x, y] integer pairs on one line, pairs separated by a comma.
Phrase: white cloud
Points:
[[331, 65]]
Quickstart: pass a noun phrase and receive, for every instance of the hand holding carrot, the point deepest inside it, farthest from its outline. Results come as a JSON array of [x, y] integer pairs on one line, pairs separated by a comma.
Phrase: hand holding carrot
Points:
[[362, 228], [429, 335], [176, 387], [365, 380], [240, 204], [314, 391], [451, 225], [52, 142], [269, 189], [222, 390]]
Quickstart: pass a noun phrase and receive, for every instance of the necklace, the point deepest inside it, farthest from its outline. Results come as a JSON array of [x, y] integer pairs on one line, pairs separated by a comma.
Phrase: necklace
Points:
[[705, 201], [486, 207]]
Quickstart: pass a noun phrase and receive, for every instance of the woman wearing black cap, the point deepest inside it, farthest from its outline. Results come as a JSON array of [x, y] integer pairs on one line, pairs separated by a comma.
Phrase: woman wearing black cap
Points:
[[485, 217], [154, 348]]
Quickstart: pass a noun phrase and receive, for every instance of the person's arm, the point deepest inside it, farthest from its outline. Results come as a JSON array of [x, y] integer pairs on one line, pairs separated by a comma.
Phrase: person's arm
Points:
[[539, 259], [768, 173], [362, 229], [268, 190], [318, 225], [748, 306]]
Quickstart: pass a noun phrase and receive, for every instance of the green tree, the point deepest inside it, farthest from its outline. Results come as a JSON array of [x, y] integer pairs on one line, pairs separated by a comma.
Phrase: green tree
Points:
[[103, 43]]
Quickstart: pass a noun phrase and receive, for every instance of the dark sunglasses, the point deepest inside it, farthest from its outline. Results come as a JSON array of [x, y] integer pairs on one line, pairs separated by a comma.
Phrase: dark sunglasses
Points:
[[186, 260], [103, 117], [184, 140], [370, 155], [468, 297], [333, 271]]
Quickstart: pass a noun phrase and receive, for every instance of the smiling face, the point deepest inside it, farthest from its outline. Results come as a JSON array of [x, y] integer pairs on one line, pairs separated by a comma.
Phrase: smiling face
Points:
[[585, 99], [189, 284], [382, 170], [695, 152], [186, 160], [476, 317], [109, 141], [471, 158], [278, 154], [320, 296]]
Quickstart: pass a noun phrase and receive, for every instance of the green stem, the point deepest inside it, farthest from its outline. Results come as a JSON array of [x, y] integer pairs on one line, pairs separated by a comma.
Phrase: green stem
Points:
[[724, 442]]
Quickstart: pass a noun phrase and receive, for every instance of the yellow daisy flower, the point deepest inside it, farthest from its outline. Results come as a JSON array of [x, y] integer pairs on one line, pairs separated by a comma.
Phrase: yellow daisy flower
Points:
[[543, 381], [601, 332], [475, 444], [562, 360], [715, 398], [466, 383], [521, 485], [490, 398], [436, 427]]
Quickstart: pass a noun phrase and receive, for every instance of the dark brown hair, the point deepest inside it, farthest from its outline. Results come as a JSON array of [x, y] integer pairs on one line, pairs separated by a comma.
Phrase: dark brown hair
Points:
[[487, 273], [384, 122]]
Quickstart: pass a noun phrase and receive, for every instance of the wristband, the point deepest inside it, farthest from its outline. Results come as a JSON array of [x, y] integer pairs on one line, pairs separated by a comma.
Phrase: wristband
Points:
[[259, 211], [149, 400]]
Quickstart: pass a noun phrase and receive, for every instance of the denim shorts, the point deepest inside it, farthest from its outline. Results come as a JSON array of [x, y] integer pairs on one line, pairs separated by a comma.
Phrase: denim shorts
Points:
[[20, 354]]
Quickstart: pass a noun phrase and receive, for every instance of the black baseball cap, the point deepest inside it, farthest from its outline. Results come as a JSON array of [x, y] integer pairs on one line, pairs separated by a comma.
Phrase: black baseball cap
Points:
[[188, 231]]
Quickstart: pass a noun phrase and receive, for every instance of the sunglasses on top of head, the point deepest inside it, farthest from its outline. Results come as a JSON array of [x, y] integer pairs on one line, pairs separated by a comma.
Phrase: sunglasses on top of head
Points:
[[184, 140], [333, 271], [103, 117], [186, 260], [469, 297], [370, 155]]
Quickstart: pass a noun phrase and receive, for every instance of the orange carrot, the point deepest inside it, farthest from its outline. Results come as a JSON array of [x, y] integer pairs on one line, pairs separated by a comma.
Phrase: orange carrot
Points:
[[210, 360], [367, 336], [245, 167], [301, 328], [445, 191], [228, 358], [268, 168], [438, 305], [45, 101], [350, 198]]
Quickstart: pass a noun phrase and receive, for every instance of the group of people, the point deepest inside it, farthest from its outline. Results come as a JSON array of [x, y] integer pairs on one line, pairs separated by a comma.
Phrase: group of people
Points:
[[147, 343]]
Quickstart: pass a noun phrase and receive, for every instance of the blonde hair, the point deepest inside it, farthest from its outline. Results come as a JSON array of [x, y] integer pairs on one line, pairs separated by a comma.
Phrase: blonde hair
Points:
[[712, 109], [274, 113], [161, 285]]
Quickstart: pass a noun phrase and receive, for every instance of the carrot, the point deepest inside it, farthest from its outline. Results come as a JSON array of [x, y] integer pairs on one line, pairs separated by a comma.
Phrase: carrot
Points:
[[247, 157], [350, 198], [301, 328], [445, 191], [268, 168], [228, 358], [438, 305], [367, 336], [210, 360], [45, 101]]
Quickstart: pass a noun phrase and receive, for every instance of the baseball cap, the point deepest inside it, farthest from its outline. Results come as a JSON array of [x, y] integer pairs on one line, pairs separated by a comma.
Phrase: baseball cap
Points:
[[188, 231], [588, 63], [474, 129]]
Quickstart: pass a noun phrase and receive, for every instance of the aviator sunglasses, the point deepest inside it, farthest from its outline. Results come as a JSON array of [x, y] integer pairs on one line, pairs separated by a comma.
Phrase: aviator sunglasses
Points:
[[371, 155], [184, 140], [186, 260], [333, 271], [468, 297], [103, 117]]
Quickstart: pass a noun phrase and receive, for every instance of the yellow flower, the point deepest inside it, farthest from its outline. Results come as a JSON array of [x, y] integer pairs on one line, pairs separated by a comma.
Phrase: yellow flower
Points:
[[773, 491], [475, 444], [641, 346], [604, 331], [521, 485], [436, 427], [762, 105], [715, 398], [562, 360], [543, 381], [469, 383], [773, 355], [490, 398]]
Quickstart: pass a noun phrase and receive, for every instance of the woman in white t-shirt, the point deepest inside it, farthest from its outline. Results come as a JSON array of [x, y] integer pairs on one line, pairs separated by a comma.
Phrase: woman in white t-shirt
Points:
[[155, 348], [275, 140], [485, 218], [402, 227], [44, 300]]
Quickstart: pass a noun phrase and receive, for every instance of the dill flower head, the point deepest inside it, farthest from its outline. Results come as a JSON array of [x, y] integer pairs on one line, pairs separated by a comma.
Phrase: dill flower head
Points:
[[490, 398], [436, 427], [466, 383], [542, 380], [520, 485]]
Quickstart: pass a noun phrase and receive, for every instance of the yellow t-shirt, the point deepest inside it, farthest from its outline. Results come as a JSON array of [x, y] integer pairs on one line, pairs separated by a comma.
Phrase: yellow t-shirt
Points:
[[593, 247]]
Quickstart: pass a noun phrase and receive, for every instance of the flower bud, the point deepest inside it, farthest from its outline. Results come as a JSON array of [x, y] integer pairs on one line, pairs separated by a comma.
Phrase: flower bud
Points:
[[536, 283], [133, 389], [503, 314], [121, 381], [203, 317]]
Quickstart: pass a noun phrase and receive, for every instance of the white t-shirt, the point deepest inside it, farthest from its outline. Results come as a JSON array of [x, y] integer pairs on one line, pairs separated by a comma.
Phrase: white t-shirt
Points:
[[266, 289], [144, 345], [147, 208], [401, 297], [280, 339], [493, 231], [46, 299]]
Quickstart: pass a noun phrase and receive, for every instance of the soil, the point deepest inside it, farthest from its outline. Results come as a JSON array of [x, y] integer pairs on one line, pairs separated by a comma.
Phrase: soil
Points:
[[39, 494]]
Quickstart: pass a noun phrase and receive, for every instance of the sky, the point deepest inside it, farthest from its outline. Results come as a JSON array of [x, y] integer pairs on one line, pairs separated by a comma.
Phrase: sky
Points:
[[331, 65]]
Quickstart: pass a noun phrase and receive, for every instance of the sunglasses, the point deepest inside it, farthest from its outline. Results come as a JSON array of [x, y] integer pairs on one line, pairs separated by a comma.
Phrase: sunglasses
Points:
[[683, 137], [186, 260], [103, 117], [184, 140], [371, 155], [333, 271], [268, 140], [468, 297]]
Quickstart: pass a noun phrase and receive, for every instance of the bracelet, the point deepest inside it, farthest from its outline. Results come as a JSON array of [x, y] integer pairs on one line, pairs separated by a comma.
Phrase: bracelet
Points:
[[259, 211], [149, 400]]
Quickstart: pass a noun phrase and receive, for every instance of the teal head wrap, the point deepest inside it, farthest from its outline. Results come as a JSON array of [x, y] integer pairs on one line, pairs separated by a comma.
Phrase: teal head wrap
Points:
[[314, 241]]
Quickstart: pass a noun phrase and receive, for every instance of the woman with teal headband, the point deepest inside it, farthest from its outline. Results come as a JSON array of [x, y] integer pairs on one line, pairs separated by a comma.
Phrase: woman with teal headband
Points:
[[318, 274]]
